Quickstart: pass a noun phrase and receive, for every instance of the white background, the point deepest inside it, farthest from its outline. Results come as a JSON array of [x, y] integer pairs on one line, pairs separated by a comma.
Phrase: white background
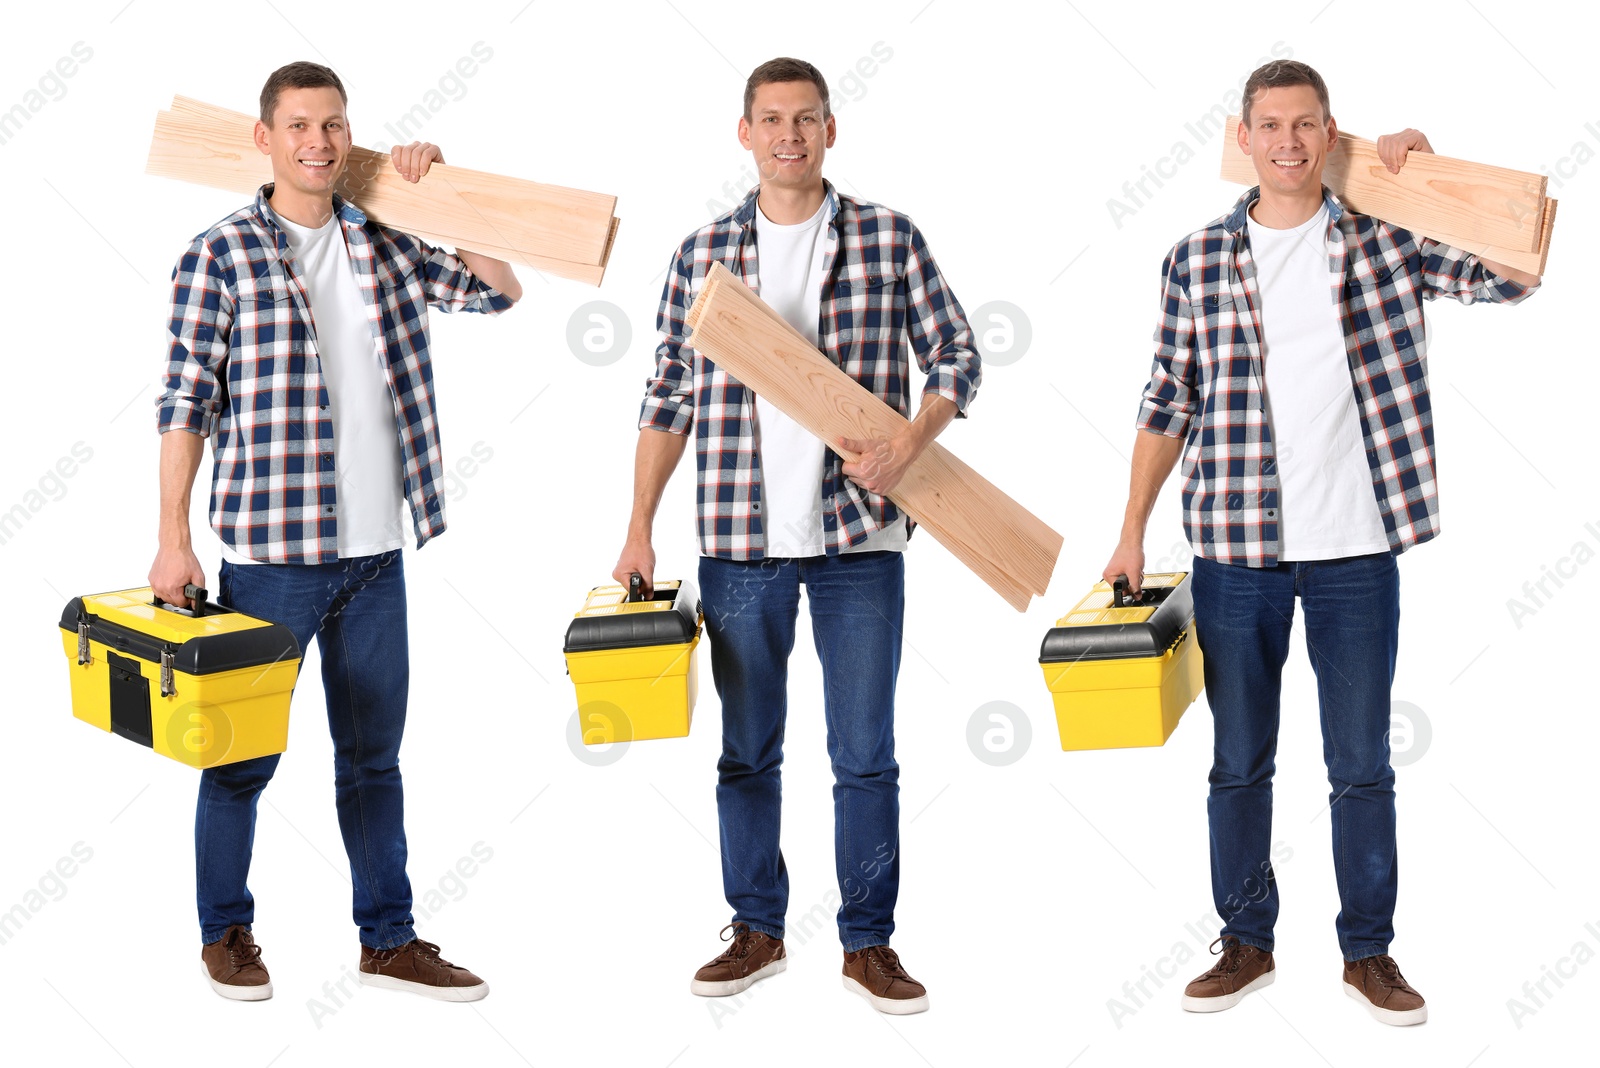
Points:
[[1031, 892]]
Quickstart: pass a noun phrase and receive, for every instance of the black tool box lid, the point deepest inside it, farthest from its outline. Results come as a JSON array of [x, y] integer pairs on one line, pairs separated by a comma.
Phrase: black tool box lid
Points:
[[609, 620], [1100, 628], [214, 641]]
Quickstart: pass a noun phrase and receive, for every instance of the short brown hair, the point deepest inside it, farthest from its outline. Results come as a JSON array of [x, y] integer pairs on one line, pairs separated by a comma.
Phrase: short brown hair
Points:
[[297, 75], [1279, 74], [784, 69]]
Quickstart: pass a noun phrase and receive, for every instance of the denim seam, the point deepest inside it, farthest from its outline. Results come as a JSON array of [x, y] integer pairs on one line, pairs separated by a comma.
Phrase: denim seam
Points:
[[382, 925]]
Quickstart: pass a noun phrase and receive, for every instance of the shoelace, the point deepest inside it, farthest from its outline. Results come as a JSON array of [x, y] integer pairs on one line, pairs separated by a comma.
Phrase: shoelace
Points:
[[742, 937], [427, 951], [887, 961], [1386, 971], [1232, 956], [242, 950]]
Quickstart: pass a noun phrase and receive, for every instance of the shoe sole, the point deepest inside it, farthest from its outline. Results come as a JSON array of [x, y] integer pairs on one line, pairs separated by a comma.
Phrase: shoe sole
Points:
[[1392, 1017], [706, 988], [1227, 1001], [237, 993], [437, 993], [889, 1006]]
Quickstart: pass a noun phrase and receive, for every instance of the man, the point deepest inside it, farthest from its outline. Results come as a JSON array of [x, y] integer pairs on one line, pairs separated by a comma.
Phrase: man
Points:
[[1290, 372], [778, 509], [299, 345]]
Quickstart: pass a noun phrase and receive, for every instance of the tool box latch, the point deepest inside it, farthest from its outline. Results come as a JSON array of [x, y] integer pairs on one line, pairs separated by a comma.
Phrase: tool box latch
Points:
[[83, 642], [167, 689]]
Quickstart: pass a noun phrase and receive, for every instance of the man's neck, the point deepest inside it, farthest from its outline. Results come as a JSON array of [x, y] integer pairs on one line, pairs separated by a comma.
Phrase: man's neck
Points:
[[786, 207], [299, 208], [1278, 212]]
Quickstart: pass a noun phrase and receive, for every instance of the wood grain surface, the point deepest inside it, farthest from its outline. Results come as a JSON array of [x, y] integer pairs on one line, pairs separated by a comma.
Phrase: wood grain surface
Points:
[[1493, 212], [1007, 546], [566, 232]]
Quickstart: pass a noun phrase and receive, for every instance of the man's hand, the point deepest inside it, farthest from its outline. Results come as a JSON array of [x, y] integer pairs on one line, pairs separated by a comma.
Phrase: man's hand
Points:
[[638, 557], [413, 160], [1127, 560], [1393, 148], [175, 567], [879, 465]]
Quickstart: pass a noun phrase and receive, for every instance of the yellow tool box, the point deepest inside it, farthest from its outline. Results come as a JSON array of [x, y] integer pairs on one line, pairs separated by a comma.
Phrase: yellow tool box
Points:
[[1123, 671], [632, 660], [204, 686]]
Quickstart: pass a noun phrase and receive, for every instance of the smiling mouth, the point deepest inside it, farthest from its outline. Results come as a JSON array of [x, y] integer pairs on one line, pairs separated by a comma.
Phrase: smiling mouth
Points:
[[316, 164], [1291, 163], [788, 157]]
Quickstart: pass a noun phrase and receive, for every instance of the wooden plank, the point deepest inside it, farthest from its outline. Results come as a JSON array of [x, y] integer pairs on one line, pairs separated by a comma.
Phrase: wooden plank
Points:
[[1003, 543], [577, 272], [558, 222], [566, 232], [1493, 212]]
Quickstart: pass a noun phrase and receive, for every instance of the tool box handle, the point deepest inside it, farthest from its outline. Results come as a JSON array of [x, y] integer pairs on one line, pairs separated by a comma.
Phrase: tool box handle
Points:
[[635, 587], [197, 594], [1119, 594]]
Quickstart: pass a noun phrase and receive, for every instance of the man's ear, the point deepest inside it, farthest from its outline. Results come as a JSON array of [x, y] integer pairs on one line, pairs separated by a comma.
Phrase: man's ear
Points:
[[744, 133], [1244, 136], [1333, 134], [263, 138], [832, 131]]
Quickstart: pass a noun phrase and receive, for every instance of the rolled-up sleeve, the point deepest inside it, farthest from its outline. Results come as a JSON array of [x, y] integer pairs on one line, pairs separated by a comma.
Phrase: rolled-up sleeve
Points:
[[1168, 406], [448, 282], [1450, 272], [199, 325], [669, 393], [940, 336]]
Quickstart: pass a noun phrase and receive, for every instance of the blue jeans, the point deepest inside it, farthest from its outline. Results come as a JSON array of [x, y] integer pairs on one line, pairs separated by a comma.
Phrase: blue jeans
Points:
[[857, 605], [1243, 617], [356, 609]]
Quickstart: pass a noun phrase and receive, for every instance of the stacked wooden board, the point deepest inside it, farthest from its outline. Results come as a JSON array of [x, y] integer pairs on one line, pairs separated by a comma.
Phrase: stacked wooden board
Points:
[[1493, 212], [567, 232], [1003, 543]]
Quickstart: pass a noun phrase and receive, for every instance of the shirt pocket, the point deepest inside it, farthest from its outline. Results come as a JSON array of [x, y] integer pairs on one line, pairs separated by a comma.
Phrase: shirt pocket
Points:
[[404, 307], [265, 323], [865, 307], [1213, 305], [1395, 331]]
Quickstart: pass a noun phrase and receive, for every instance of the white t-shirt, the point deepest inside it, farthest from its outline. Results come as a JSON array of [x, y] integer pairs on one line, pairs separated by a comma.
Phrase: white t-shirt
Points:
[[1327, 507], [366, 444], [791, 264]]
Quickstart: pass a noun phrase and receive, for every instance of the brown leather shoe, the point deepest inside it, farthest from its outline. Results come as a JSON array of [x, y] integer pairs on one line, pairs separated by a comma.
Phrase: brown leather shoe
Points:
[[1377, 982], [417, 967], [750, 958], [233, 966], [1238, 971], [877, 975]]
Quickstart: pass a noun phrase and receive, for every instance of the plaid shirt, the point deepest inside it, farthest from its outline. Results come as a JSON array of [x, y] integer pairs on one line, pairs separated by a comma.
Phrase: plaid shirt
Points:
[[243, 369], [880, 285], [1207, 379]]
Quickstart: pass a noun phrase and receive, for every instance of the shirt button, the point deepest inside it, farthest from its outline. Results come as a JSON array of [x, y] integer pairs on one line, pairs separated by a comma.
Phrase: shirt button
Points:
[[1271, 514], [755, 506]]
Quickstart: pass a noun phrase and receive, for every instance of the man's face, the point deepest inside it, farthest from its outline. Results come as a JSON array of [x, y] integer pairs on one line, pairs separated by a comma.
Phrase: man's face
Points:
[[308, 141], [1288, 140], [787, 134]]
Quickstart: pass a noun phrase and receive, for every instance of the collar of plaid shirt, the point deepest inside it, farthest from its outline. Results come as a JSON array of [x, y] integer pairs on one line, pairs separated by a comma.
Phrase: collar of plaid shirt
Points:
[[243, 367], [881, 290], [1206, 382]]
